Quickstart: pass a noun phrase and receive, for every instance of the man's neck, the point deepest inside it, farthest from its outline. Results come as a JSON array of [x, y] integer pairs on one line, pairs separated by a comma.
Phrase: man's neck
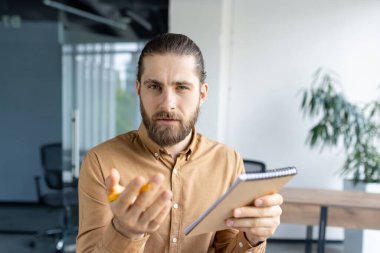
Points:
[[180, 146]]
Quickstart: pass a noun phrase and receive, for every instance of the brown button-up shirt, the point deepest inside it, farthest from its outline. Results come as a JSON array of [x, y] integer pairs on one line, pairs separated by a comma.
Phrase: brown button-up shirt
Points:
[[199, 176]]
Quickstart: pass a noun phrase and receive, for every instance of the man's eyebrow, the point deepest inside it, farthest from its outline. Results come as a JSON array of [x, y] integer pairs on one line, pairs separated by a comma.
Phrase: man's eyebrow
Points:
[[179, 82], [183, 83], [152, 81]]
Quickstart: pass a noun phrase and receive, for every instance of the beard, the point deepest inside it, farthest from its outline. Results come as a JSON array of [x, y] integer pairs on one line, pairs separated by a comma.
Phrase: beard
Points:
[[168, 135]]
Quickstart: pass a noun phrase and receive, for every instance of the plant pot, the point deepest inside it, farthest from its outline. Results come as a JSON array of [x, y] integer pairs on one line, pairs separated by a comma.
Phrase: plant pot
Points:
[[355, 240]]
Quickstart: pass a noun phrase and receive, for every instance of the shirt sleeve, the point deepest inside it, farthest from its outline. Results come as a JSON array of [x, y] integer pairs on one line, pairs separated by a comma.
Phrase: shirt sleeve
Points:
[[96, 232], [233, 241]]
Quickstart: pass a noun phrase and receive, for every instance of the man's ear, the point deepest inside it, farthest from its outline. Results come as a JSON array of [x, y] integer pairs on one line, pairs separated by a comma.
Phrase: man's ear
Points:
[[138, 86], [203, 94]]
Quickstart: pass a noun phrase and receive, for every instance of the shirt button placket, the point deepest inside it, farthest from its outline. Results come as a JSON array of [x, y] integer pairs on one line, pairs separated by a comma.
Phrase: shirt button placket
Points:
[[175, 215]]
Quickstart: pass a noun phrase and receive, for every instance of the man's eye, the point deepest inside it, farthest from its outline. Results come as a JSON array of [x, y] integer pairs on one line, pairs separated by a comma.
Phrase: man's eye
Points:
[[182, 87], [154, 87]]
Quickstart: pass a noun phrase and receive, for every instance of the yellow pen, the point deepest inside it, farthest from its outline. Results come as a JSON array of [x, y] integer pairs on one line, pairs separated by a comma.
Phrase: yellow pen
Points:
[[114, 195]]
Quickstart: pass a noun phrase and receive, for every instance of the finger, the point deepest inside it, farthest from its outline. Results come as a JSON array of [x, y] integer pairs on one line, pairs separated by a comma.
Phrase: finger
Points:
[[129, 195], [155, 223], [113, 187], [147, 197], [257, 212], [152, 212], [113, 179], [253, 222], [269, 200]]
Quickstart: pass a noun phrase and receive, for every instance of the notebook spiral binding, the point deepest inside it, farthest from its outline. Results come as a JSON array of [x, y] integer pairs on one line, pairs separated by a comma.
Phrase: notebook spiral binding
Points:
[[283, 172]]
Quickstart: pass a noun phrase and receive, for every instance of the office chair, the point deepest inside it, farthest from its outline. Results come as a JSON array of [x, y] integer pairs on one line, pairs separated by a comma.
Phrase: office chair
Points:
[[59, 197], [253, 166]]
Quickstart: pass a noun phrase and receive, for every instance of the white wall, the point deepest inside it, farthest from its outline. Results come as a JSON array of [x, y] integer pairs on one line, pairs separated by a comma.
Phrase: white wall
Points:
[[273, 48], [277, 47], [201, 21]]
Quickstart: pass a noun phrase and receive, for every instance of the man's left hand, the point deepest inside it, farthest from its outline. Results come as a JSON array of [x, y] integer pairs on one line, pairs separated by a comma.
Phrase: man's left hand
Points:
[[260, 220]]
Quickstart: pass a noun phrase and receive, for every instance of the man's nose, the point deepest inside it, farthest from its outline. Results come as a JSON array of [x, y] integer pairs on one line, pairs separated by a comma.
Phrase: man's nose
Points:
[[168, 101]]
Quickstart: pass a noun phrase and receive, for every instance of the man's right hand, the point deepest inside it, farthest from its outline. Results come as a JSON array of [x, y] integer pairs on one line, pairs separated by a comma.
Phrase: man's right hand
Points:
[[138, 213]]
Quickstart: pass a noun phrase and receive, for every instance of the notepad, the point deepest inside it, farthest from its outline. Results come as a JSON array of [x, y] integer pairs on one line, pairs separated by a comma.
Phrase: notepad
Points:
[[242, 192]]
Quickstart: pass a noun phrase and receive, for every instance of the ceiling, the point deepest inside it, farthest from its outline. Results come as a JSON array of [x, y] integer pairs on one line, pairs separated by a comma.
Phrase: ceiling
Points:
[[112, 18]]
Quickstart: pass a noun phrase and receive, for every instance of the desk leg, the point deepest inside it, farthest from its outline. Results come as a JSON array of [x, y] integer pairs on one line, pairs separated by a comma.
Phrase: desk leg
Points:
[[309, 238], [322, 230]]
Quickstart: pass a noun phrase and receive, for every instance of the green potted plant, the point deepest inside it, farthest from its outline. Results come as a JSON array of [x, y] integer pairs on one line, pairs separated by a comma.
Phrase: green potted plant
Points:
[[355, 127]]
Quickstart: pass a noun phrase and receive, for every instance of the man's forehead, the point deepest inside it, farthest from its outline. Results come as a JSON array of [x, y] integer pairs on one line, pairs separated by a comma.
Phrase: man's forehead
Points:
[[179, 67]]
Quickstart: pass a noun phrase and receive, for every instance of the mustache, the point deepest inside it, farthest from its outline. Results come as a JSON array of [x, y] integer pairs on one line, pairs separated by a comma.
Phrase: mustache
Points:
[[166, 115]]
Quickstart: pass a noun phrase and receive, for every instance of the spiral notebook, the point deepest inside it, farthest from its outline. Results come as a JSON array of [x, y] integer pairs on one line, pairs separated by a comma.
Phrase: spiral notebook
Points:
[[242, 192]]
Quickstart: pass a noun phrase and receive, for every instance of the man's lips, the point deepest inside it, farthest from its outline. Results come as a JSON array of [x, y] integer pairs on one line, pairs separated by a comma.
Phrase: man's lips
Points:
[[167, 120]]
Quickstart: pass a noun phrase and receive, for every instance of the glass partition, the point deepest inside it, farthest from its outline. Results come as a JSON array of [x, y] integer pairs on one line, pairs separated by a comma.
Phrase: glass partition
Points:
[[98, 96]]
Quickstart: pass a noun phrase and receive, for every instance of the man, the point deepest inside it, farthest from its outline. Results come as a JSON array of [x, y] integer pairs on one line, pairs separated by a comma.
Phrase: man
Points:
[[184, 171]]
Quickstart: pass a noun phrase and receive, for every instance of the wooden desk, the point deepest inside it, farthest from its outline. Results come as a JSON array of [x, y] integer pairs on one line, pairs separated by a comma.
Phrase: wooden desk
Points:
[[348, 209]]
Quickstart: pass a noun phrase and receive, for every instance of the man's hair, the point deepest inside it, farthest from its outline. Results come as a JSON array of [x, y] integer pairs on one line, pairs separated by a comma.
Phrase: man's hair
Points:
[[172, 43]]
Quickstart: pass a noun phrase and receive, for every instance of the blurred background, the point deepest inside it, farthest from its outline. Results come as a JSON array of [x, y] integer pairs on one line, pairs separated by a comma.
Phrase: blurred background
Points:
[[67, 75]]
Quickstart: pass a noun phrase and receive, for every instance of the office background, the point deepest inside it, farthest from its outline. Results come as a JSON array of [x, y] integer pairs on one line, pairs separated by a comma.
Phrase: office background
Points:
[[258, 56]]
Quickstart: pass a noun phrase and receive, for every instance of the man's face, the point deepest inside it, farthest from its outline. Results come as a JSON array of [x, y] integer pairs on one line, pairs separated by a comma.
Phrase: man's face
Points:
[[170, 97]]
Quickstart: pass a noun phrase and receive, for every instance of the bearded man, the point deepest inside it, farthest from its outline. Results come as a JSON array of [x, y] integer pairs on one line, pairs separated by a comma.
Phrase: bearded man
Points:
[[184, 171]]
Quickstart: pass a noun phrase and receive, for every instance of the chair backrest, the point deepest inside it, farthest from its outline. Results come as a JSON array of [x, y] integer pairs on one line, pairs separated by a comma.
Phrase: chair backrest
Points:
[[253, 166], [51, 159]]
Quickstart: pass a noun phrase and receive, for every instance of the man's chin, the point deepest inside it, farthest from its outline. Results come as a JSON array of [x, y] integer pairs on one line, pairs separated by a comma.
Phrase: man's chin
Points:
[[167, 130]]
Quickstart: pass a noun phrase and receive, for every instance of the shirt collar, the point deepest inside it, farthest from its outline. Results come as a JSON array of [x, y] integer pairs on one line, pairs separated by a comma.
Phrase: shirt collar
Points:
[[155, 149]]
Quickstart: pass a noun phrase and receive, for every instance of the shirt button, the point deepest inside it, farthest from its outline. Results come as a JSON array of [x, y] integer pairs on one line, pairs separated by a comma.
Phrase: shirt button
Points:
[[174, 239], [175, 171], [175, 205], [156, 154], [241, 244]]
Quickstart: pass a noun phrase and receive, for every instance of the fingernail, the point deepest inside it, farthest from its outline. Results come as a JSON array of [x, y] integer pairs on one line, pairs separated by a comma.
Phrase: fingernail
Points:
[[158, 178], [166, 196], [237, 212], [138, 180], [258, 202], [230, 223]]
